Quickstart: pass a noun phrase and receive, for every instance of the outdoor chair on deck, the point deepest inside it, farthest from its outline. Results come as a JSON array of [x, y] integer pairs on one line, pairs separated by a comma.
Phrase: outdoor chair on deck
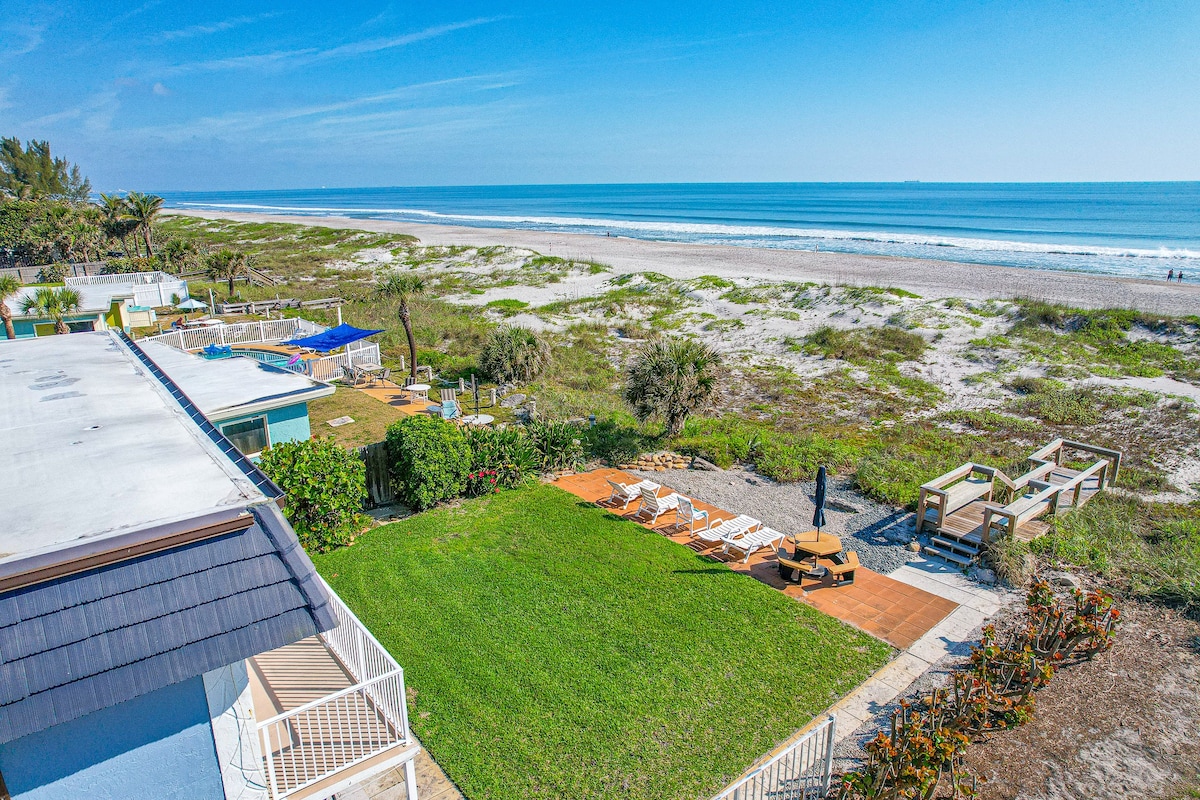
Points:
[[352, 376], [688, 514], [627, 494], [729, 529], [656, 506], [752, 541]]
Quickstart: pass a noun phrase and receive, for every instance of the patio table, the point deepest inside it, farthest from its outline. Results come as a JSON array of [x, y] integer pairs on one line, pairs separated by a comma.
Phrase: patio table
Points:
[[817, 546], [478, 419], [418, 391]]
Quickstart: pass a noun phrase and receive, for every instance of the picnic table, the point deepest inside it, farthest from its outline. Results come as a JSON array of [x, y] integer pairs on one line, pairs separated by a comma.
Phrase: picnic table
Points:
[[813, 544]]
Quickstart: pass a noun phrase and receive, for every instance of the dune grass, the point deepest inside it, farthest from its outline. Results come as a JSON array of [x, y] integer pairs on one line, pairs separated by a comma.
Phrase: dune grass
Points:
[[553, 650]]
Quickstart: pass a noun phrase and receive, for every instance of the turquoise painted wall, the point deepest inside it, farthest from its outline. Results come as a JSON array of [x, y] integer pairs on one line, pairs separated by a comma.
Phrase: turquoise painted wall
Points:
[[288, 424], [159, 745], [24, 328]]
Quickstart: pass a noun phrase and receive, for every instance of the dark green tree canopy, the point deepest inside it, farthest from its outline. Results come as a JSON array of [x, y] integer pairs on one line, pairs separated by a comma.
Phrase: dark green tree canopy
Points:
[[32, 173]]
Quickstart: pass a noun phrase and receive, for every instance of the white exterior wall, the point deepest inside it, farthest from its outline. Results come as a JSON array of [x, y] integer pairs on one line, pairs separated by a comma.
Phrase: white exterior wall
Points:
[[235, 732]]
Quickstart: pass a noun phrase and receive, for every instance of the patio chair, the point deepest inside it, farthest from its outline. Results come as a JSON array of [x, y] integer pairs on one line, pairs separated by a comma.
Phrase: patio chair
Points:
[[729, 529], [351, 376], [754, 540], [689, 514], [627, 494], [656, 506], [447, 411]]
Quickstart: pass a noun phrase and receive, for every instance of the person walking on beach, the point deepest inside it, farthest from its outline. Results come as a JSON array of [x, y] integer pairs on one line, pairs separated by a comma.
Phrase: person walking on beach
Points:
[[1179, 277], [1170, 274]]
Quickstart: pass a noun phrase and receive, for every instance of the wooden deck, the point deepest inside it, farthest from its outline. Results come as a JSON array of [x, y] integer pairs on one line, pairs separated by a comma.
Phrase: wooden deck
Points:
[[887, 609]]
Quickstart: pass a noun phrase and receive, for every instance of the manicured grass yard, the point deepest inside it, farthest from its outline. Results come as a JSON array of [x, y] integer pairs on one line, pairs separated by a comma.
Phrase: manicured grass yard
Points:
[[552, 649]]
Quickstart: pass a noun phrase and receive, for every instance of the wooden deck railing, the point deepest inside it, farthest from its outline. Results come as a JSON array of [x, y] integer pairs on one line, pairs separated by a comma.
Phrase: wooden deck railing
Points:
[[314, 742]]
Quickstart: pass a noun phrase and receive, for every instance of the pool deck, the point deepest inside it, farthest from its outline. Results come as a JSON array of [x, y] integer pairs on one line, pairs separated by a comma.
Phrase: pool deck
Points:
[[896, 612]]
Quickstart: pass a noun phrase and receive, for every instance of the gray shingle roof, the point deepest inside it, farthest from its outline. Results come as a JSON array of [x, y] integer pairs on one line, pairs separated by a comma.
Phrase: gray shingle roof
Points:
[[83, 642]]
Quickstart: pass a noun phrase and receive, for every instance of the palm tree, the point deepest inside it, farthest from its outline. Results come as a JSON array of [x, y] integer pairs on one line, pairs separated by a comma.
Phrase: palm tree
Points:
[[56, 304], [513, 354], [227, 265], [143, 210], [671, 378], [9, 286], [402, 288], [116, 221], [179, 254]]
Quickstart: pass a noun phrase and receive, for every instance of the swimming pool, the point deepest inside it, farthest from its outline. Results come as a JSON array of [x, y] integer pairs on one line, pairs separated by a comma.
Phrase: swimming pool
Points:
[[272, 357]]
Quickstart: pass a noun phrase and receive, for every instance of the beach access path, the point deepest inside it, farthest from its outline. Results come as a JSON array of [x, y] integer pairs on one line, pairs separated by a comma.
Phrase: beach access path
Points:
[[931, 279]]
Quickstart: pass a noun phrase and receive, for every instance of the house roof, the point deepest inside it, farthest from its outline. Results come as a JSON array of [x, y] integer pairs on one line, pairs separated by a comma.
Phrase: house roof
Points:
[[97, 445], [230, 387], [140, 548], [89, 640]]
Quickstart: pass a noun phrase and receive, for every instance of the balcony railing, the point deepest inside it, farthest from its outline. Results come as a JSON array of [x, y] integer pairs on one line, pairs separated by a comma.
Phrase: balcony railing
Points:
[[801, 771], [355, 730], [263, 331]]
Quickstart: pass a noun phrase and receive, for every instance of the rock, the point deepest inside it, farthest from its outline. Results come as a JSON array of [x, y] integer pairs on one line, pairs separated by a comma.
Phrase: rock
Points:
[[914, 546], [838, 504], [512, 401], [985, 576], [660, 468], [707, 466], [1066, 579]]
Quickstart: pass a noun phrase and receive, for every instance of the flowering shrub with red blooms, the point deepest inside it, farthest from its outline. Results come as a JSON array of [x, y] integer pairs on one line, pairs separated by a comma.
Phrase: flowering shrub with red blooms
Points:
[[484, 481], [926, 746]]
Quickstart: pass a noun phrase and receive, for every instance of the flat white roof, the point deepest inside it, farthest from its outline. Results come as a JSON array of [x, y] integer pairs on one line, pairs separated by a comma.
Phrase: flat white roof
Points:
[[94, 445], [229, 387]]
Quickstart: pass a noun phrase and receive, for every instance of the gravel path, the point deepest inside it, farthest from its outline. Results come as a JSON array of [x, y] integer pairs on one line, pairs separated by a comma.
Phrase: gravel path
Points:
[[877, 533]]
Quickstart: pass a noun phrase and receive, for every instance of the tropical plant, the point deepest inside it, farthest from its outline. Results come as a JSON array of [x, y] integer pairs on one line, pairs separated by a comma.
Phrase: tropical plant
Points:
[[53, 303], [179, 255], [115, 220], [670, 378], [559, 444], [227, 265], [402, 288], [31, 172], [326, 486], [430, 460], [506, 454], [143, 209], [514, 354], [9, 286]]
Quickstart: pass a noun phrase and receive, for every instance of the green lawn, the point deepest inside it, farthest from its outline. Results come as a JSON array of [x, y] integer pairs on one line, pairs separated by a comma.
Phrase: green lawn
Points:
[[554, 650]]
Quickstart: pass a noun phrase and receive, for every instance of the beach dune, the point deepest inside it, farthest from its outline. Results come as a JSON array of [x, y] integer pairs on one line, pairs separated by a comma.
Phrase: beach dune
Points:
[[932, 279]]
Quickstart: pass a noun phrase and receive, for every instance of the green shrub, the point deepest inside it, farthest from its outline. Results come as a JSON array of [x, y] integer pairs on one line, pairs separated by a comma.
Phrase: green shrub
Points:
[[558, 444], [122, 266], [52, 273], [614, 443], [514, 354], [789, 458], [860, 345], [508, 453], [430, 460], [326, 488]]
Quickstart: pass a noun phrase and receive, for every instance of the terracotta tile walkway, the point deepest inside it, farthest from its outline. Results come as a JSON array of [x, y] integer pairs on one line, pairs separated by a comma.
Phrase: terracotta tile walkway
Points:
[[394, 396], [895, 612]]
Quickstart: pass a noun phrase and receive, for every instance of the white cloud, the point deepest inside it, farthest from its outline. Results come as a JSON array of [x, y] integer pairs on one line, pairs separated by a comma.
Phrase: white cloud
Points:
[[214, 27], [160, 90], [309, 55], [22, 39]]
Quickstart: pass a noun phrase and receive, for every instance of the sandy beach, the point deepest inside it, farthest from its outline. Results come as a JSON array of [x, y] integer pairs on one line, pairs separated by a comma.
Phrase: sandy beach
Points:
[[932, 279]]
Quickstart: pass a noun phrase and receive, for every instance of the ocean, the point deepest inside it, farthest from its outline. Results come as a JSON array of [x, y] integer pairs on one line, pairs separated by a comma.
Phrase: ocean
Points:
[[1127, 229]]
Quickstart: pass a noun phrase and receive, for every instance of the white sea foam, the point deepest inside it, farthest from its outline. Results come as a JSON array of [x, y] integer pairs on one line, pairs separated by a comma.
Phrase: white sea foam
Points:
[[732, 234]]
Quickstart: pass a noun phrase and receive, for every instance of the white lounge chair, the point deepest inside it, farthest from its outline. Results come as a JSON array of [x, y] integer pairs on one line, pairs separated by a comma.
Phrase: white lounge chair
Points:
[[729, 529], [754, 540], [627, 494], [656, 506], [689, 514]]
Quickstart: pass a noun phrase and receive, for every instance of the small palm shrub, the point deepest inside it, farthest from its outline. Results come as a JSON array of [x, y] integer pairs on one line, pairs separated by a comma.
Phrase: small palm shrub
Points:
[[513, 354], [558, 444], [430, 460], [670, 378], [326, 488], [507, 456]]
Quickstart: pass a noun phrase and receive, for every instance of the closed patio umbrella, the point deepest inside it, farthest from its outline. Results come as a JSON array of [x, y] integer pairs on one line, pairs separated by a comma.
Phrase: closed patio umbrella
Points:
[[819, 501]]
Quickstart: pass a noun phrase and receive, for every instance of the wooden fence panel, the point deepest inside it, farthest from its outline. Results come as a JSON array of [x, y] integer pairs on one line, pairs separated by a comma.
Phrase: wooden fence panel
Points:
[[379, 486]]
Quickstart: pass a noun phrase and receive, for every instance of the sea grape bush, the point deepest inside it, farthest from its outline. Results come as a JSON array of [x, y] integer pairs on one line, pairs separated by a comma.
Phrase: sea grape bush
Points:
[[326, 487], [430, 460], [926, 746]]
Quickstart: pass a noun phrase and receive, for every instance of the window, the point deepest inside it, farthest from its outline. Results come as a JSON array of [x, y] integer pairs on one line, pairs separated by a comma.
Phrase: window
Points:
[[249, 436]]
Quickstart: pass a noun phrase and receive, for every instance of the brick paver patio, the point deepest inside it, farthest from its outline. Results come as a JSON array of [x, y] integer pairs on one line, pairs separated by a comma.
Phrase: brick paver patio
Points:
[[895, 612]]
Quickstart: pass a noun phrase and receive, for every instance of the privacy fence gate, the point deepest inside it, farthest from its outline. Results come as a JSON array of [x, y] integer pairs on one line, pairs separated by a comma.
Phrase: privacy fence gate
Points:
[[801, 771]]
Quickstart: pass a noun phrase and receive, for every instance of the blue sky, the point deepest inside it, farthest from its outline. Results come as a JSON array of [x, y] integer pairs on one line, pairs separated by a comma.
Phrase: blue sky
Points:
[[174, 96]]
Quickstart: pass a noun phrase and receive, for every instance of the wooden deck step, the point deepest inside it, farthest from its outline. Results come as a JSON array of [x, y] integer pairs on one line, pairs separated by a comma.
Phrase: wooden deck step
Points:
[[958, 548], [954, 558]]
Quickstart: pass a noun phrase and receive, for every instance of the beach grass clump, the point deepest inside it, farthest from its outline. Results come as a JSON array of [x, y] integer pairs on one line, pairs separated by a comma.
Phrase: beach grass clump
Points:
[[551, 649], [989, 421], [508, 307], [711, 283], [865, 344], [1148, 550]]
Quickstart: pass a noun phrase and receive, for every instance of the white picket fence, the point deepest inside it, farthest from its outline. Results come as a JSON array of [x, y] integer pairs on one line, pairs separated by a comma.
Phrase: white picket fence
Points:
[[802, 771], [122, 278]]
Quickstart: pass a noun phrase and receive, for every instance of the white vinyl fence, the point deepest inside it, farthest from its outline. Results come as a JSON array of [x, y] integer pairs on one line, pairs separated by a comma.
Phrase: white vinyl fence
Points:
[[800, 772]]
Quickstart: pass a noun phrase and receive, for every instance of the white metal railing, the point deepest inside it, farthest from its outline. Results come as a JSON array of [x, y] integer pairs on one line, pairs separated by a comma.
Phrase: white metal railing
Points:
[[312, 742], [126, 278], [800, 772], [329, 368], [274, 330]]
